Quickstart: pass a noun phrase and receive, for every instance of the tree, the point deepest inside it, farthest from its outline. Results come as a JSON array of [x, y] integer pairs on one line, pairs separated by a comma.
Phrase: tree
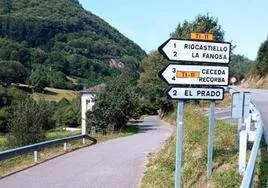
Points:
[[201, 24], [27, 122], [239, 66], [8, 97], [151, 85], [68, 113], [12, 72], [260, 67], [115, 105], [38, 80]]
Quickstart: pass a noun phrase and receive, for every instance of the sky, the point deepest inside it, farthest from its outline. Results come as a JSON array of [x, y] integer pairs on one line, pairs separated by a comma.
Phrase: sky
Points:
[[150, 22]]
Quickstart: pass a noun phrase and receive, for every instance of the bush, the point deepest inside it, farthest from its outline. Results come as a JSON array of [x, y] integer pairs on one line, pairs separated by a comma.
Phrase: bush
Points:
[[28, 122], [115, 106], [68, 113]]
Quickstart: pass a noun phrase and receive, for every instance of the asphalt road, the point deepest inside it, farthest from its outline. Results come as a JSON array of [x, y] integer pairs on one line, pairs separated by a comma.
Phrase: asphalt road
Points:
[[224, 114], [118, 163], [259, 97]]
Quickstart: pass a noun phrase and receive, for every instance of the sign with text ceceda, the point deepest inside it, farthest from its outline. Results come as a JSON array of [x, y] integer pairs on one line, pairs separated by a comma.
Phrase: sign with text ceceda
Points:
[[175, 74]]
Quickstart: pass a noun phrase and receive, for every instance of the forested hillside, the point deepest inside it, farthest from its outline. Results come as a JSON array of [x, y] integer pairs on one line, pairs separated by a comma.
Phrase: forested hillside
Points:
[[260, 67], [48, 40]]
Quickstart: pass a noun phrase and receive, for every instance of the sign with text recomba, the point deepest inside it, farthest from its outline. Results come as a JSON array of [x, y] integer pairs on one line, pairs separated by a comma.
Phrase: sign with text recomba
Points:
[[196, 51], [176, 74]]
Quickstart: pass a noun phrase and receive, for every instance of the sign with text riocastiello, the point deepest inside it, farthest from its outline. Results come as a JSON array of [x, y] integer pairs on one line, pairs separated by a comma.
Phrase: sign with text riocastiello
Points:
[[196, 51]]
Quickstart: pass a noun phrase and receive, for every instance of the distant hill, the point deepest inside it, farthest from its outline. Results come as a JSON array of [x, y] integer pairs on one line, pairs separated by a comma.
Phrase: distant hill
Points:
[[53, 39], [240, 66]]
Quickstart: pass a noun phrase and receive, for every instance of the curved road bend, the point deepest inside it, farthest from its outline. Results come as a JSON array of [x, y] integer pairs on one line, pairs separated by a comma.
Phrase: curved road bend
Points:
[[259, 98], [117, 163]]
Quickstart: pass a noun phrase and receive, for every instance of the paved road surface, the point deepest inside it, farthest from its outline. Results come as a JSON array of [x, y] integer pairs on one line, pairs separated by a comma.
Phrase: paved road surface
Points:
[[259, 97], [224, 114], [117, 163]]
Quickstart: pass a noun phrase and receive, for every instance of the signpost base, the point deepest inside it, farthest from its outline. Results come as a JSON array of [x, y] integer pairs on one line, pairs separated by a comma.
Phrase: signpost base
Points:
[[210, 138], [179, 143]]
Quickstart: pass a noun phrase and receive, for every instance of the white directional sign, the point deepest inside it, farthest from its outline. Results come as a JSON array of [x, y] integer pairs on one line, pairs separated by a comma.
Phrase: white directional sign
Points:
[[196, 51], [195, 93], [175, 74]]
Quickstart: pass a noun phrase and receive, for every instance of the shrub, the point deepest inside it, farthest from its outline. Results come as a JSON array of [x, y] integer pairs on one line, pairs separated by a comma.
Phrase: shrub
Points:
[[28, 122]]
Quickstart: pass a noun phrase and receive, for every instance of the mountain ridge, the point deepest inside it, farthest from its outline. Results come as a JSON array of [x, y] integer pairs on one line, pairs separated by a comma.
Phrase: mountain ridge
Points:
[[65, 37]]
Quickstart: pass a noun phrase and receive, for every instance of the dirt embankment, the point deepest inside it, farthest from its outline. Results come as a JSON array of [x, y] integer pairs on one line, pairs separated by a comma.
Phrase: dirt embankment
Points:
[[255, 82]]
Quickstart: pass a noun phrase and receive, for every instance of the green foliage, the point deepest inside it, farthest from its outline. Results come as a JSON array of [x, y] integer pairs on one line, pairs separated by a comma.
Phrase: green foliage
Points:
[[29, 120], [201, 24], [260, 66], [12, 72], [115, 105], [68, 113], [8, 97], [151, 85], [161, 168], [62, 35], [27, 123], [239, 66], [38, 80], [228, 180]]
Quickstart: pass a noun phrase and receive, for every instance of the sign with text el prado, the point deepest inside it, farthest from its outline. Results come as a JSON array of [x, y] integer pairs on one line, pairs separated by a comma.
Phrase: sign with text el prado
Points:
[[186, 93], [196, 51]]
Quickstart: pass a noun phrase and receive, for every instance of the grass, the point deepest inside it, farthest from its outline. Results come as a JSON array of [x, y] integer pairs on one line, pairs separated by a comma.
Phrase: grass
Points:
[[52, 94], [24, 161], [261, 172], [128, 130], [256, 82], [54, 134], [3, 142], [161, 166]]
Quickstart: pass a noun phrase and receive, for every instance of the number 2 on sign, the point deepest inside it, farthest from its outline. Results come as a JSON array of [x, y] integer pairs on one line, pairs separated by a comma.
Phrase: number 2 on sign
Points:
[[174, 93]]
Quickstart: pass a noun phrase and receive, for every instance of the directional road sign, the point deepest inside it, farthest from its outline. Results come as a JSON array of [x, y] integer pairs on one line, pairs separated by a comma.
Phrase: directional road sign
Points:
[[175, 74], [196, 51], [180, 93]]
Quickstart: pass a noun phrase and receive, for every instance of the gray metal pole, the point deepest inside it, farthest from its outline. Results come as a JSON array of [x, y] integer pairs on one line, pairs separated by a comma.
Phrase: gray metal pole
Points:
[[179, 143], [210, 138]]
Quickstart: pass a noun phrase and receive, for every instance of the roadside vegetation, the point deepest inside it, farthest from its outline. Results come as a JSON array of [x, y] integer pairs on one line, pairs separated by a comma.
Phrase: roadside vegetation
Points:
[[161, 167]]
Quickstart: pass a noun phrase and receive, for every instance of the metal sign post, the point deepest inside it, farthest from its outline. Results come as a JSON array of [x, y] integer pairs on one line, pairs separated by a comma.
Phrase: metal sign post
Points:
[[210, 138], [179, 145], [191, 81]]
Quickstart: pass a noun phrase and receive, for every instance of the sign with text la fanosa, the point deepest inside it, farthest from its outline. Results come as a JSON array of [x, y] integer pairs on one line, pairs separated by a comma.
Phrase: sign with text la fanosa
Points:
[[197, 70], [196, 51]]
